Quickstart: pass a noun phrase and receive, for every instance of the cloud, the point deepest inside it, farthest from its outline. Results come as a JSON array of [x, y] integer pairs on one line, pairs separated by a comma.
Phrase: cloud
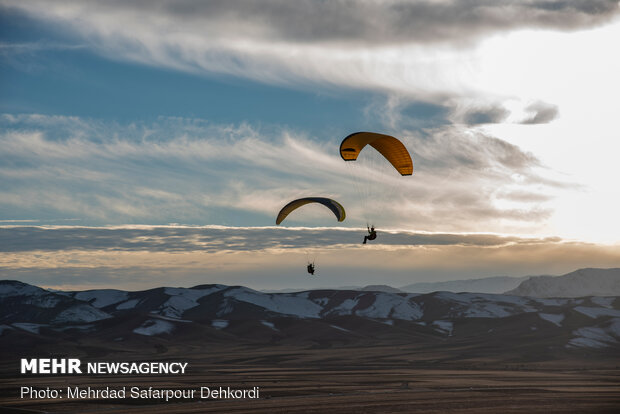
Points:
[[139, 257], [476, 112], [486, 115], [191, 171], [415, 51], [348, 21], [220, 238], [9, 50], [540, 113]]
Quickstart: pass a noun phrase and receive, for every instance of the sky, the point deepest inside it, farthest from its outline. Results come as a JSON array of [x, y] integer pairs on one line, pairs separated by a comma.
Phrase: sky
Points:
[[150, 143]]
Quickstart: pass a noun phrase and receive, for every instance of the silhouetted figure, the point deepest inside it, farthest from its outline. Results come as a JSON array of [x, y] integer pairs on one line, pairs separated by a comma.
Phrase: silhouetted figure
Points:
[[311, 268], [372, 234]]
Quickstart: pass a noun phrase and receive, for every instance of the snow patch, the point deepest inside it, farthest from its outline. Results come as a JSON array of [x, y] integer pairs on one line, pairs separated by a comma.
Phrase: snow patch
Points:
[[444, 326], [219, 323], [391, 305], [614, 327], [605, 302], [551, 302], [32, 295], [552, 317], [269, 325], [486, 305], [225, 308], [345, 308], [130, 304], [289, 304], [81, 313], [154, 327], [8, 289], [597, 312], [591, 337], [182, 299], [5, 328], [486, 310]]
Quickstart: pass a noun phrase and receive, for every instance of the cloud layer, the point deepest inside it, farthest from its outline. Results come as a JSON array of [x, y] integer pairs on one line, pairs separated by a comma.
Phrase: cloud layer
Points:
[[191, 171], [219, 238], [350, 21], [141, 257], [410, 50]]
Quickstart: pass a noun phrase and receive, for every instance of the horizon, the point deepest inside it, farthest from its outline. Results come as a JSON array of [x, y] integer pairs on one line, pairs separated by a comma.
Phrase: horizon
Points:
[[292, 290]]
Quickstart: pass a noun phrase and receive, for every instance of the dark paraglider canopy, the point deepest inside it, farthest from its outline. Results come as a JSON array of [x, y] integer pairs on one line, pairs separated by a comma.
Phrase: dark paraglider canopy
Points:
[[333, 205], [391, 148]]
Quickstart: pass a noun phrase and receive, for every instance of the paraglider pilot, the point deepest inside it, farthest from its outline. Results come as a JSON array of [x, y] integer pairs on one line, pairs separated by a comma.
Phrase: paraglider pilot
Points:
[[372, 234], [311, 268]]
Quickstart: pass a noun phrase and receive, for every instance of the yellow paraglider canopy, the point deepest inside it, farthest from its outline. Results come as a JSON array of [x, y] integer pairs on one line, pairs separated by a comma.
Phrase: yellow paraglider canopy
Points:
[[391, 148]]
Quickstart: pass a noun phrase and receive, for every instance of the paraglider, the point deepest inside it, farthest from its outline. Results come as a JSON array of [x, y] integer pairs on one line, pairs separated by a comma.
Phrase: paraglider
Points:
[[333, 205], [391, 148], [372, 234]]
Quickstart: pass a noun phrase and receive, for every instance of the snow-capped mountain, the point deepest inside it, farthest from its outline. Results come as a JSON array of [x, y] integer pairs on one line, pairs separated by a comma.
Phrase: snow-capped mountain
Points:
[[582, 282], [235, 313]]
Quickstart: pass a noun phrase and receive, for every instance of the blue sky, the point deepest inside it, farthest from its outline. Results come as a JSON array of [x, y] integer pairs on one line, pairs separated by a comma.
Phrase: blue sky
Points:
[[46, 71], [201, 114]]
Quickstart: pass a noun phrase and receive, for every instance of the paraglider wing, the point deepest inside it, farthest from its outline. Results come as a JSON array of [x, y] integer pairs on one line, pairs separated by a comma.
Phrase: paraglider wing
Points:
[[333, 205], [391, 148]]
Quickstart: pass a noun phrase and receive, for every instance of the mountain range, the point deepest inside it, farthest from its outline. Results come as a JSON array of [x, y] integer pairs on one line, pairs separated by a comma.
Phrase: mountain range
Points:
[[32, 317], [582, 282]]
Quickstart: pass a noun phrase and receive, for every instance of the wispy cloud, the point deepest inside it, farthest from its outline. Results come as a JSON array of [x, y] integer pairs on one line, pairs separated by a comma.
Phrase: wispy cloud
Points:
[[404, 49], [353, 21], [191, 171]]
